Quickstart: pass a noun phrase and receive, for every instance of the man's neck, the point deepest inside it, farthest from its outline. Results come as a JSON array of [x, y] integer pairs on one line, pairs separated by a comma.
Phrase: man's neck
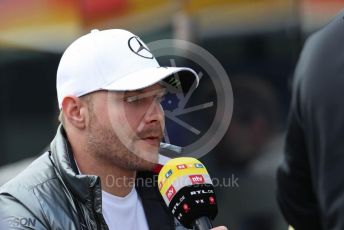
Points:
[[114, 180]]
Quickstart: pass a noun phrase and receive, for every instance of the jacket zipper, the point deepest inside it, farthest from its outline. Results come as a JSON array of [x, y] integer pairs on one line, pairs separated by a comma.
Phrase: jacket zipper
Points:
[[96, 215]]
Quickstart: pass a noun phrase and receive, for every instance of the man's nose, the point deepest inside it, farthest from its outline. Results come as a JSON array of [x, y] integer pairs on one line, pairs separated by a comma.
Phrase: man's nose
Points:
[[155, 113]]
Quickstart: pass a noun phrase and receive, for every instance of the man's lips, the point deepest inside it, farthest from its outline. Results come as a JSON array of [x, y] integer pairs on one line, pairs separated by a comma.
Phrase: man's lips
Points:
[[153, 140], [152, 136]]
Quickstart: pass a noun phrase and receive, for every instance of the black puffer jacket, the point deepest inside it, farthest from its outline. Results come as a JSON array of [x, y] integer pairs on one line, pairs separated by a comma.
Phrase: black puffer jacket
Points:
[[50, 194]]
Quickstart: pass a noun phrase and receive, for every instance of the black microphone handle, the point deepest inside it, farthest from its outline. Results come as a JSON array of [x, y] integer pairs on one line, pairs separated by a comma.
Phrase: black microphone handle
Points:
[[203, 223]]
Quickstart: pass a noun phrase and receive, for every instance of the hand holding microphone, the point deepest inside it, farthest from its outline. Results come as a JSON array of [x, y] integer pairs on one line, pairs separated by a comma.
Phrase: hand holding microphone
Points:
[[188, 192]]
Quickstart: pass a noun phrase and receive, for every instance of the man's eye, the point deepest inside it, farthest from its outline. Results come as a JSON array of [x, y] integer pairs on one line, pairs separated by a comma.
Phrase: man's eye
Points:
[[145, 97], [160, 98], [132, 99]]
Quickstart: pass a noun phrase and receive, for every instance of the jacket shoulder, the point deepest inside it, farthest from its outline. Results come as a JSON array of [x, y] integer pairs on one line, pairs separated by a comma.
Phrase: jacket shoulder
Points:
[[36, 195], [38, 172], [18, 198], [17, 215]]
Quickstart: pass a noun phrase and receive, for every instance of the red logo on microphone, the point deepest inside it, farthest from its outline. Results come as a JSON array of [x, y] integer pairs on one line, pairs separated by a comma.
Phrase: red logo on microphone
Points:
[[171, 191], [186, 208], [183, 166], [197, 179], [211, 200], [160, 185]]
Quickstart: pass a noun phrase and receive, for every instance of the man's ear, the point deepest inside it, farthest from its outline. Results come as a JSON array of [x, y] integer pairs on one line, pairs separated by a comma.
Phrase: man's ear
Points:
[[74, 111]]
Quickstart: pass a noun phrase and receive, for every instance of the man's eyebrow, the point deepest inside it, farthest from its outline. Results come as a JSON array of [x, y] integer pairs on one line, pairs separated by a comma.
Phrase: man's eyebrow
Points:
[[128, 93], [141, 91], [145, 94]]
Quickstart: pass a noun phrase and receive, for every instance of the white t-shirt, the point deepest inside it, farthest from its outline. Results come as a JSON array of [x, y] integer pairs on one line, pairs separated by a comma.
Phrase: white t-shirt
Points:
[[124, 212]]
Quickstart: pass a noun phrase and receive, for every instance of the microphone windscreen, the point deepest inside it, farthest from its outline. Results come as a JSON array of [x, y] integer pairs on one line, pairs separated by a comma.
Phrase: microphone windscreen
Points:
[[187, 190]]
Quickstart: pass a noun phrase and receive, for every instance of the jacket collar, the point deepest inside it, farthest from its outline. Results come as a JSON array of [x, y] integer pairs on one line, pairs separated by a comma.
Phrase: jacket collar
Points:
[[79, 185]]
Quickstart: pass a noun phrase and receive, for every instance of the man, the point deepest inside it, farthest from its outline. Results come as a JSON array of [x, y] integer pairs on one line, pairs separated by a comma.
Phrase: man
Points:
[[311, 181], [109, 89]]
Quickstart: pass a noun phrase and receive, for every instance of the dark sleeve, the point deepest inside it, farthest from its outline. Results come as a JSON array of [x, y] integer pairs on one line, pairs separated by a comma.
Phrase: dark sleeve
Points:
[[16, 215], [311, 179], [295, 193]]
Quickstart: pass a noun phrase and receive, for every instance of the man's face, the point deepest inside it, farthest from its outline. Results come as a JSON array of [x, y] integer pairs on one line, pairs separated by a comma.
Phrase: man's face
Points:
[[126, 128]]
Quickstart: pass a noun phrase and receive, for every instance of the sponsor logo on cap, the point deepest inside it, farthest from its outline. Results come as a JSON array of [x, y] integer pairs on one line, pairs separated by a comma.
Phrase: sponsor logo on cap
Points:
[[197, 179], [171, 191], [139, 48]]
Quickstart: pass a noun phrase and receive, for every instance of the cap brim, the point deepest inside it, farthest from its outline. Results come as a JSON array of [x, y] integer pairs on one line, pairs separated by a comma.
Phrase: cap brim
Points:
[[150, 76]]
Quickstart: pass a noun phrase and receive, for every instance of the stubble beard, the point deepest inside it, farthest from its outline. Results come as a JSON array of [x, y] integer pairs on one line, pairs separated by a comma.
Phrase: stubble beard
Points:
[[104, 144]]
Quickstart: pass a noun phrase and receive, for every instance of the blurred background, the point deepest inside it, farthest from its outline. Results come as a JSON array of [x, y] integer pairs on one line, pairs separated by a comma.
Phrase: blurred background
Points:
[[257, 42]]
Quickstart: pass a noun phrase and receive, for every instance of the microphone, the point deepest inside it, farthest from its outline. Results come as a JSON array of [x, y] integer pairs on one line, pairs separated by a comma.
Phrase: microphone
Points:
[[188, 192]]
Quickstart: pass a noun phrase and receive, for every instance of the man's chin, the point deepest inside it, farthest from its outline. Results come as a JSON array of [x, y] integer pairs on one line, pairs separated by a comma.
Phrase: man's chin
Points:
[[146, 166], [149, 143], [147, 148]]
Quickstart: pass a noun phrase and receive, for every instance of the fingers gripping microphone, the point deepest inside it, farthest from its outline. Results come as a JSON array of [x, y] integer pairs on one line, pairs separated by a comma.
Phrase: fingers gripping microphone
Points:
[[188, 191]]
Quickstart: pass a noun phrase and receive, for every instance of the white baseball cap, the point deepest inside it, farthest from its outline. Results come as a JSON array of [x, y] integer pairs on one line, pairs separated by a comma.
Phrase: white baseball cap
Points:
[[114, 60]]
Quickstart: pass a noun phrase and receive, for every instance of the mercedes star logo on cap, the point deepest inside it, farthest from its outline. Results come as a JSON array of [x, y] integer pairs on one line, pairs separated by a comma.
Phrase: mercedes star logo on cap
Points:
[[138, 47]]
